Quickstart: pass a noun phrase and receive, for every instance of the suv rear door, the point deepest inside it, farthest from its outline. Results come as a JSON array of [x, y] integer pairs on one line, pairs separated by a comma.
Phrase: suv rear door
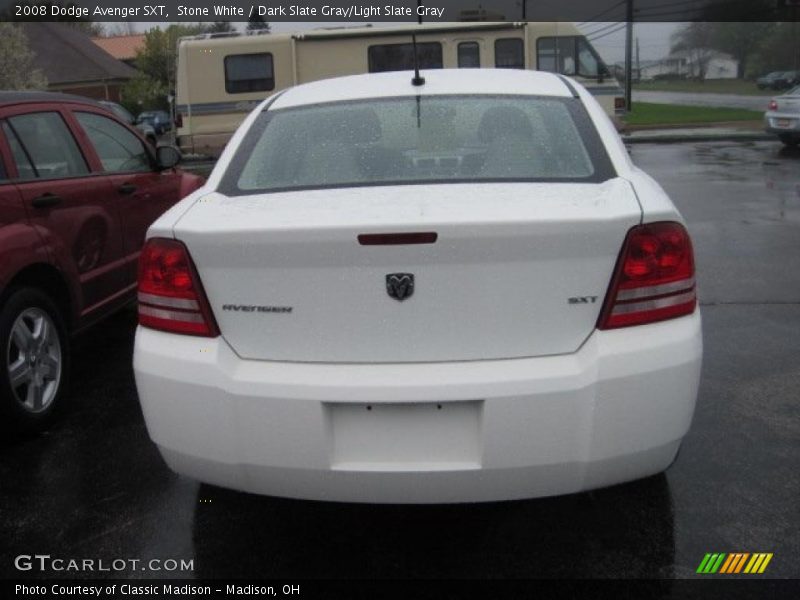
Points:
[[67, 201], [140, 191]]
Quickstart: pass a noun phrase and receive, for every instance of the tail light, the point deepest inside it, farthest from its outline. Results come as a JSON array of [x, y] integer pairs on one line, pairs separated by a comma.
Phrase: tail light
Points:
[[619, 103], [654, 277], [171, 297], [178, 120], [773, 105]]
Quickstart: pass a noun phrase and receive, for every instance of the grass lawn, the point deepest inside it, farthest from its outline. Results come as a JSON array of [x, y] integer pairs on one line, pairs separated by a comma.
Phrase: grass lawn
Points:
[[646, 113], [712, 86]]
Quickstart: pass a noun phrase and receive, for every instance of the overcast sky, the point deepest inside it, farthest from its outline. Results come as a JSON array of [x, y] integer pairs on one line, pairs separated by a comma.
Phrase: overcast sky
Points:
[[607, 38]]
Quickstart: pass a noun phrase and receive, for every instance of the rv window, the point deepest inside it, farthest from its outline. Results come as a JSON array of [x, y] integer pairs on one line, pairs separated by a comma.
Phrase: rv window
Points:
[[509, 54], [558, 55], [469, 55], [400, 57], [249, 73]]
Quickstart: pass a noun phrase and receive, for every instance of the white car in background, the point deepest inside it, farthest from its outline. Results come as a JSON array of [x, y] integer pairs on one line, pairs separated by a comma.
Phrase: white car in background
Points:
[[783, 117], [460, 290]]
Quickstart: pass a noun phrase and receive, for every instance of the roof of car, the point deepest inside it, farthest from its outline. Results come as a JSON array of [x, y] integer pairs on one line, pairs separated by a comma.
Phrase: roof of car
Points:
[[10, 97], [437, 82]]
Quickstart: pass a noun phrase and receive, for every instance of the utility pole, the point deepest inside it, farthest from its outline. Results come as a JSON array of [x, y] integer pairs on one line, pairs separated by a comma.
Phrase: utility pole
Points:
[[628, 54], [638, 65]]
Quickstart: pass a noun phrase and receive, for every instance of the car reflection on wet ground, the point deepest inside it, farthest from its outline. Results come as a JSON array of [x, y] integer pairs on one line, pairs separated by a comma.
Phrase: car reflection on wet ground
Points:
[[95, 486]]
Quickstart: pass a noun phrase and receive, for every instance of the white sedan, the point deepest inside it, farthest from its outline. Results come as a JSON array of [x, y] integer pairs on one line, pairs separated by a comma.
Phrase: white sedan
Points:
[[783, 117], [455, 291]]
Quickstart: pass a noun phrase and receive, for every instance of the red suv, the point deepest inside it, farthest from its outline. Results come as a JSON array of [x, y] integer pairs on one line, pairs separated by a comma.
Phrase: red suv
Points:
[[78, 190]]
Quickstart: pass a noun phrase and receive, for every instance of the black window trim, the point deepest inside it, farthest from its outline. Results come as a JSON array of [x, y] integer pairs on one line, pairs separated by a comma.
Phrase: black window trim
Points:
[[604, 169], [271, 84], [7, 123]]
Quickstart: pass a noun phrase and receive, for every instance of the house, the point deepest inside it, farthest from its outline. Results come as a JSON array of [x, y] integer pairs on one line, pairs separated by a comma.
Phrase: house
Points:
[[687, 64], [74, 64], [122, 47]]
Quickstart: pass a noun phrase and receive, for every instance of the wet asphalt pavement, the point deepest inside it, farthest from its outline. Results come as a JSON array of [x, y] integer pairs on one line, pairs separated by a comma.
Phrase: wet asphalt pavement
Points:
[[94, 485], [705, 99]]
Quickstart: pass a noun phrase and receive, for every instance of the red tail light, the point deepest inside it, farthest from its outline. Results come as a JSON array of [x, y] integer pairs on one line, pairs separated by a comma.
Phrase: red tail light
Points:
[[773, 105], [178, 120], [171, 297], [654, 278], [619, 103]]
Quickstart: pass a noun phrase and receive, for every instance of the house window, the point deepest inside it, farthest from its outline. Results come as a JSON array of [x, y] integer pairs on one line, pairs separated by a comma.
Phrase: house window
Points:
[[400, 57], [509, 53], [469, 55], [249, 73]]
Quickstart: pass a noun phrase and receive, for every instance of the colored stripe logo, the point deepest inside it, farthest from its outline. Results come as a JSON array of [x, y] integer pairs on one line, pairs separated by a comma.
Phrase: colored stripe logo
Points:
[[734, 563]]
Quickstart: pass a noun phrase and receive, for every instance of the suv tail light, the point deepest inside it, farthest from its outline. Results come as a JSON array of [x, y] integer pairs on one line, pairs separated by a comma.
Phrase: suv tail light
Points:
[[619, 103], [171, 297], [654, 277], [773, 105]]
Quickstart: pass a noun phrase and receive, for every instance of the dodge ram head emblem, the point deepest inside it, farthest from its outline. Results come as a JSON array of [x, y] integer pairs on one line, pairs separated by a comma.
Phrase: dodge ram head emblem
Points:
[[400, 285]]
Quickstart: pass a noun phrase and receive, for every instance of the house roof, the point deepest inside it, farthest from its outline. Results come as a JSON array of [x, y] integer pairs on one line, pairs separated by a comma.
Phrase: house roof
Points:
[[66, 55], [121, 47]]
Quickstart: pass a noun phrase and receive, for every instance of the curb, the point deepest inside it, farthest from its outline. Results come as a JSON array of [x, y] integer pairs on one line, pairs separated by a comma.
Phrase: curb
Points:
[[699, 137]]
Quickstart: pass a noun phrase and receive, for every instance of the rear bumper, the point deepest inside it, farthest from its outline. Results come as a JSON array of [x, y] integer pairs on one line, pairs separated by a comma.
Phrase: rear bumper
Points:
[[614, 411], [782, 123]]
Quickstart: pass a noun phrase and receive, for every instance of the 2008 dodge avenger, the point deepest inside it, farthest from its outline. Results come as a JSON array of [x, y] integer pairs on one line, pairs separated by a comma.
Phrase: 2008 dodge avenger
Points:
[[407, 290]]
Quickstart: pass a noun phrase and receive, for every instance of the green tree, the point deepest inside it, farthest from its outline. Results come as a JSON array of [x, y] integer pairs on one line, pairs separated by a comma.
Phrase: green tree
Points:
[[219, 27], [779, 51], [741, 40], [157, 64], [257, 23], [696, 41], [17, 70]]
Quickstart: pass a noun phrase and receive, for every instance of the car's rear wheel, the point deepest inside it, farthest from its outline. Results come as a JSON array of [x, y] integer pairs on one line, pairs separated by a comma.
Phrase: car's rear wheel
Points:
[[34, 359], [789, 140]]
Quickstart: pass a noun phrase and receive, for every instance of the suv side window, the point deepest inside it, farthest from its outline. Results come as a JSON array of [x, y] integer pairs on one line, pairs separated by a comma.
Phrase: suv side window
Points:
[[119, 150], [46, 149]]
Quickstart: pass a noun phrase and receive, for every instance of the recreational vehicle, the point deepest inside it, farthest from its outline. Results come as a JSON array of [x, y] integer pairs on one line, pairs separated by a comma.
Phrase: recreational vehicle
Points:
[[222, 78]]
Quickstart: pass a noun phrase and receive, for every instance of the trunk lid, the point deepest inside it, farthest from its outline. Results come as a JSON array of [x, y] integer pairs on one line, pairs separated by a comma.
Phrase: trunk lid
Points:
[[287, 278]]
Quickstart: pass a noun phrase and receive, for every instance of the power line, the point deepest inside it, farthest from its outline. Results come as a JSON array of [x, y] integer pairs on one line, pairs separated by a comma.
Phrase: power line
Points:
[[620, 27], [667, 5], [601, 29], [608, 10]]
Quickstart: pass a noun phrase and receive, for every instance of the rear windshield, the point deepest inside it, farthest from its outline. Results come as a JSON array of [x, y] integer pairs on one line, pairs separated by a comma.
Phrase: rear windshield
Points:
[[432, 139]]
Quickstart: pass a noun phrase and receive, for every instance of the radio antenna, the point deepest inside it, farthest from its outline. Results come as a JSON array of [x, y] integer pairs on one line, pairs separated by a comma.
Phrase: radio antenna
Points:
[[417, 81]]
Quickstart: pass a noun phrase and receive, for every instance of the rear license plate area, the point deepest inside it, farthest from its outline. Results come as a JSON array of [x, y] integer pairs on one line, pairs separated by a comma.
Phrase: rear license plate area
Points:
[[405, 436]]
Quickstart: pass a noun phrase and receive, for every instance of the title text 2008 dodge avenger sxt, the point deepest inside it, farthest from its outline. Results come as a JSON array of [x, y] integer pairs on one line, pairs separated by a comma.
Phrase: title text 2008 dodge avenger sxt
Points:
[[448, 292]]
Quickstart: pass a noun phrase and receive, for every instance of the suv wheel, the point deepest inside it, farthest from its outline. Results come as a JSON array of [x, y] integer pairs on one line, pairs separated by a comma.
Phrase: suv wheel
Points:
[[789, 140], [34, 359]]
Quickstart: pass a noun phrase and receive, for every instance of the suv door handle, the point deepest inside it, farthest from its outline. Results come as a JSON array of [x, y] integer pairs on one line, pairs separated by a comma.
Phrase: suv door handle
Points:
[[46, 201], [127, 188]]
